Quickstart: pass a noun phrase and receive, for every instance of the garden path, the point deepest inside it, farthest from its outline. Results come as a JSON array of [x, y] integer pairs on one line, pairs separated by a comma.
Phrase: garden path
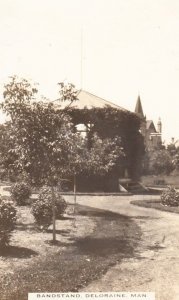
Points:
[[155, 266]]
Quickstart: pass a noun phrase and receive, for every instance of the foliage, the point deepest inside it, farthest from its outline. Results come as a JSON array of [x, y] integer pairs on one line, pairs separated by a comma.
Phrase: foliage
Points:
[[160, 162], [17, 94], [171, 148], [111, 123], [7, 221], [20, 193], [104, 155], [175, 161], [170, 197], [174, 153], [67, 92], [100, 158], [42, 207], [42, 136], [7, 157], [44, 141]]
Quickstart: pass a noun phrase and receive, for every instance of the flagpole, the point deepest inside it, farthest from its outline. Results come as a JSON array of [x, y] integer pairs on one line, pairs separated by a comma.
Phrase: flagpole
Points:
[[82, 57]]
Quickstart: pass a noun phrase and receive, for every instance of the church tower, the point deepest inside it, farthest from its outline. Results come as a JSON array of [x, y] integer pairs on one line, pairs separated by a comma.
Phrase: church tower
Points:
[[138, 108], [139, 112], [152, 135], [159, 126]]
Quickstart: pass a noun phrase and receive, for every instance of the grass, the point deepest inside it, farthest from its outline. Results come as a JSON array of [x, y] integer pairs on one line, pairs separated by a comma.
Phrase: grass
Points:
[[156, 205], [150, 180], [87, 246]]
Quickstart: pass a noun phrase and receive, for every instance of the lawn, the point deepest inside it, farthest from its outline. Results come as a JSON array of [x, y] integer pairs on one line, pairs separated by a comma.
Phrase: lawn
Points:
[[155, 204], [88, 244], [161, 180]]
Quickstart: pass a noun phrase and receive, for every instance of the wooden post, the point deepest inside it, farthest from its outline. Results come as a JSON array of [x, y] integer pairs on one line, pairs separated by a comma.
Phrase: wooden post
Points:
[[53, 214], [74, 191]]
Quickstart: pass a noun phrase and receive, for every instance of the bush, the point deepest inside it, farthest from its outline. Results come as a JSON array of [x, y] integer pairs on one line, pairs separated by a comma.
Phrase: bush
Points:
[[42, 207], [170, 197], [7, 221], [20, 193]]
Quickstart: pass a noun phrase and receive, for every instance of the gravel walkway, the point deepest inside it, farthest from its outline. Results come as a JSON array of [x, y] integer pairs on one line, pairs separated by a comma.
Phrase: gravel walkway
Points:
[[155, 267]]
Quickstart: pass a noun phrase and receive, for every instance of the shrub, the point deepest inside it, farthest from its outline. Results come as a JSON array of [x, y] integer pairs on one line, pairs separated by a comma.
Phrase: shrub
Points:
[[170, 197], [7, 221], [42, 207], [20, 193]]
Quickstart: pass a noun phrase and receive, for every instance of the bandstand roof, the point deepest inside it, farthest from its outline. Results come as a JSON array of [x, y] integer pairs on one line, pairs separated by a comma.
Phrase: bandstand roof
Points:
[[89, 101]]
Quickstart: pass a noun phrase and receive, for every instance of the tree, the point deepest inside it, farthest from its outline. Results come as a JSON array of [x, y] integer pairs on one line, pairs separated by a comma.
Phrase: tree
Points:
[[44, 142], [7, 221], [98, 159], [175, 161], [42, 135], [160, 162], [174, 153]]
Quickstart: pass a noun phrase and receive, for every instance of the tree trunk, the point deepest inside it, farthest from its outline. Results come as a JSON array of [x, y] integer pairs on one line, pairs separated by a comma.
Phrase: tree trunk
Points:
[[53, 214], [74, 192]]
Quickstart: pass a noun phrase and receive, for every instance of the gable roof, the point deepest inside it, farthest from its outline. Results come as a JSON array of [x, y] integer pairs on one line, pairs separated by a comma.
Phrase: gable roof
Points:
[[89, 101], [150, 125]]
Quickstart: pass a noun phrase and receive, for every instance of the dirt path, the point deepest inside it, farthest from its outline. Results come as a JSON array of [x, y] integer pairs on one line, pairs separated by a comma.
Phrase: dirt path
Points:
[[155, 267]]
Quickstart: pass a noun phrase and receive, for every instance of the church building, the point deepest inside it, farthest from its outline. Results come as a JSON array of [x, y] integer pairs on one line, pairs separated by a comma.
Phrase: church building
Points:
[[152, 135]]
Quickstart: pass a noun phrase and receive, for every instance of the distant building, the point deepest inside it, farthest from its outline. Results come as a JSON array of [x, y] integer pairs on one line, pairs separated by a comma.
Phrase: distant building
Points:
[[152, 135]]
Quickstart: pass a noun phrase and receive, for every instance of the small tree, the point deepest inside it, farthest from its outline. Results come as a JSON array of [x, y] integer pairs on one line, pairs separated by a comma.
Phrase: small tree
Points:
[[42, 207], [7, 221]]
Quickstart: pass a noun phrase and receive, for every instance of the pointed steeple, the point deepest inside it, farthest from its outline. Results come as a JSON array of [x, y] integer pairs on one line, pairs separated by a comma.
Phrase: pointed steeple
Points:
[[138, 108]]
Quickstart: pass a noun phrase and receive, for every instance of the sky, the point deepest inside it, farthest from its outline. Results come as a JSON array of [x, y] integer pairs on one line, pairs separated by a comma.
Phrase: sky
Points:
[[115, 49]]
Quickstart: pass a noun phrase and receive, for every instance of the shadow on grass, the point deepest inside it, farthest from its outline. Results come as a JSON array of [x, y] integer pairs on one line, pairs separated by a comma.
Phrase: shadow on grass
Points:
[[116, 234], [156, 247], [74, 265], [17, 252], [70, 217], [56, 243], [103, 246], [62, 232], [101, 213], [144, 218]]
